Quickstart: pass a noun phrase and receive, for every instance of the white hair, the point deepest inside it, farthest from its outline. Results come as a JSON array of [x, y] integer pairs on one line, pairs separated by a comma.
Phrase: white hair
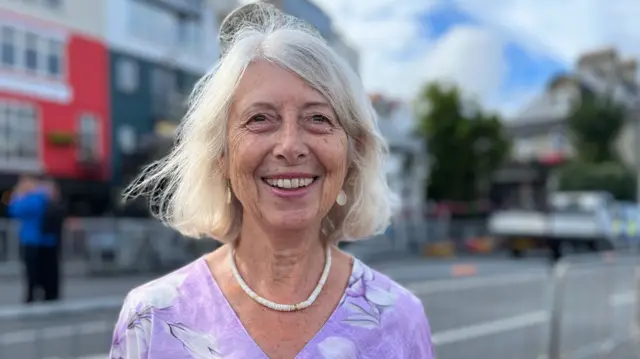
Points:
[[188, 189]]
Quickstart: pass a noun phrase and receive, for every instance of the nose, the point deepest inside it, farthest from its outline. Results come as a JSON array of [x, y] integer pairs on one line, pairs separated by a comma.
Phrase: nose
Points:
[[291, 146]]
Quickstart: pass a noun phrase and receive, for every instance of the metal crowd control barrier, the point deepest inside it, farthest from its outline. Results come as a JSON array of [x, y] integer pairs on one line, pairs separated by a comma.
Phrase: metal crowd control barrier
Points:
[[109, 246], [58, 332], [594, 308]]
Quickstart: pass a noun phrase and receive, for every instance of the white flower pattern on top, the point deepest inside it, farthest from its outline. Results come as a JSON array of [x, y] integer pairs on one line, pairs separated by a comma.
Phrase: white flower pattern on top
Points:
[[138, 313], [185, 315], [199, 345], [367, 313], [338, 348]]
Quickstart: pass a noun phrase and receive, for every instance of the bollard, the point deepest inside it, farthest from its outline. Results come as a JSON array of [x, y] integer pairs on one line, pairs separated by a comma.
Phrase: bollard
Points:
[[635, 325], [39, 343], [75, 337], [557, 301]]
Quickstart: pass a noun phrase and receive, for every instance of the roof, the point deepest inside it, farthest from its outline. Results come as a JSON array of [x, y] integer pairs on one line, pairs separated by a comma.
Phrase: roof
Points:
[[541, 116]]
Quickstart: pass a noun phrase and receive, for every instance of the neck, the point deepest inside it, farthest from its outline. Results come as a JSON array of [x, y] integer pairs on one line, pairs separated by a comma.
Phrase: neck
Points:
[[283, 267]]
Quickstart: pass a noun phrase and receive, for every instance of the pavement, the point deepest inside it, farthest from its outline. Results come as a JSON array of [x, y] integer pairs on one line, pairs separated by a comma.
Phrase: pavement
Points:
[[478, 308]]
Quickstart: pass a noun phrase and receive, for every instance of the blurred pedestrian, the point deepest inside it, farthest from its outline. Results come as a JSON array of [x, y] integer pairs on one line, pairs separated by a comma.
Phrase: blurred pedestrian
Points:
[[34, 205], [28, 204], [52, 225]]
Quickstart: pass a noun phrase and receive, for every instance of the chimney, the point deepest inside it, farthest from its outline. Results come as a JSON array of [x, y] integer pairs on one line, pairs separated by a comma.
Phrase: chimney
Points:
[[602, 62], [629, 70]]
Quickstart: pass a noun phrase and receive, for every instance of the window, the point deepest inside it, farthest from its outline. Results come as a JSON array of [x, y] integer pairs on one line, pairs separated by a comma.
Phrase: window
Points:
[[127, 139], [189, 33], [163, 87], [54, 55], [54, 4], [559, 141], [127, 75], [31, 52], [524, 148], [153, 23], [34, 53], [7, 47], [88, 135], [19, 127]]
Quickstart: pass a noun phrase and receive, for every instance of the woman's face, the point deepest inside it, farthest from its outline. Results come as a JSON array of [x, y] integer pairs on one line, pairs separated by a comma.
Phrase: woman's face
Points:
[[287, 154]]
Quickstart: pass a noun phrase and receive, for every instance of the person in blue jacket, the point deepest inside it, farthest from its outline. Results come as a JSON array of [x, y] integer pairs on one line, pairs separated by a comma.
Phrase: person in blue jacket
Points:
[[28, 205]]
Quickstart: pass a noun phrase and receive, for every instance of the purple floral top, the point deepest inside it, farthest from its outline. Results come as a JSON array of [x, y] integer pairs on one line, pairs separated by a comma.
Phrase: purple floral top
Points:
[[185, 315]]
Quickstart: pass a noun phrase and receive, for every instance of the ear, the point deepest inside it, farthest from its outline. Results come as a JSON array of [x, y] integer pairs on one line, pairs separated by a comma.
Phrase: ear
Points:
[[223, 165], [359, 143]]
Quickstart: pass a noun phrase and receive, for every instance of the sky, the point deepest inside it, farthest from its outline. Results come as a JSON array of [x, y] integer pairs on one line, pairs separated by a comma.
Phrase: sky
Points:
[[500, 52]]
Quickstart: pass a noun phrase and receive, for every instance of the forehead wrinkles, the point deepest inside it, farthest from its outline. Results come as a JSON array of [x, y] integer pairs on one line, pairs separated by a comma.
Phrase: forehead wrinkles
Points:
[[256, 80]]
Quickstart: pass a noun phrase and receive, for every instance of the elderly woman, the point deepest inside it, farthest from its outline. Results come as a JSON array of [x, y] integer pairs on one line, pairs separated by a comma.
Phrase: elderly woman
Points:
[[279, 157]]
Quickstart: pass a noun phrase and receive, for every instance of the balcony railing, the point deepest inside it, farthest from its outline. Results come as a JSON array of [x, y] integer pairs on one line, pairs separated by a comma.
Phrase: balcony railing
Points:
[[169, 106]]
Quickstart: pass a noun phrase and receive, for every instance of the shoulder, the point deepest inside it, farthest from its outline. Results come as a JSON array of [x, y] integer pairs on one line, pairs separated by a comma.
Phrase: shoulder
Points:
[[164, 297], [169, 290], [397, 311], [375, 281], [164, 294]]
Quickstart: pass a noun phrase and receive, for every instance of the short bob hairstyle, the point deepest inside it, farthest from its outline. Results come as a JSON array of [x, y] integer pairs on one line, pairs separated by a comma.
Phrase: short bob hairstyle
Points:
[[188, 189]]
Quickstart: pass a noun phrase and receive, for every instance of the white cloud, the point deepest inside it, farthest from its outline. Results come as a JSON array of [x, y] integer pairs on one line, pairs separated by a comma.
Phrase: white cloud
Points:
[[381, 30], [472, 58], [559, 29], [469, 56], [563, 29]]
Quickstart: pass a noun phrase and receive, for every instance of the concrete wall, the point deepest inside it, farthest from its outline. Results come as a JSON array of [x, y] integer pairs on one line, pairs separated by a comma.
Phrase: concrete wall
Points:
[[82, 16]]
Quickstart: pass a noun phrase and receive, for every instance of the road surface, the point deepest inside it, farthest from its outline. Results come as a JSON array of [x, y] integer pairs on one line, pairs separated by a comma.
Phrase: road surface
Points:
[[483, 308]]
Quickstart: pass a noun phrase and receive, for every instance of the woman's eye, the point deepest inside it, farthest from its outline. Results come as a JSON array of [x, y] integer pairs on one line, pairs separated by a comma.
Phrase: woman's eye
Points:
[[258, 118], [320, 119]]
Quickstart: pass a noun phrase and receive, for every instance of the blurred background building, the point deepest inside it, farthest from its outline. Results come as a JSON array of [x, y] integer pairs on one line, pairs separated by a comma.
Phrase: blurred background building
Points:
[[158, 49], [539, 130], [407, 167], [540, 133], [90, 88], [55, 115]]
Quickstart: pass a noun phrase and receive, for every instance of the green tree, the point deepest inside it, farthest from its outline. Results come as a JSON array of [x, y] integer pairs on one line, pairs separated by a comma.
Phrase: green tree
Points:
[[465, 148], [594, 125], [490, 145], [611, 177]]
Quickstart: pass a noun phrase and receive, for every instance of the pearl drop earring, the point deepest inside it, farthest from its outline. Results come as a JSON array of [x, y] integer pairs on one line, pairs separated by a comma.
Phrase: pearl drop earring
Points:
[[229, 192], [342, 198]]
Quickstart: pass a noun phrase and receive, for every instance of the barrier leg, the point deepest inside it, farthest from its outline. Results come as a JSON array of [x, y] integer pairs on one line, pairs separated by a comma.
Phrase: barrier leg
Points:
[[635, 326], [555, 321]]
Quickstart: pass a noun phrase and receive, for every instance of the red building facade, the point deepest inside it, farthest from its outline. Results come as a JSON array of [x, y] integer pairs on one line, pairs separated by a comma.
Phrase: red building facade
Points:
[[54, 106]]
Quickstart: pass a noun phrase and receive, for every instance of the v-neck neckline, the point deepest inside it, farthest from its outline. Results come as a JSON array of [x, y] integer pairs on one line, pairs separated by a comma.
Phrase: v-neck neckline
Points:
[[213, 283]]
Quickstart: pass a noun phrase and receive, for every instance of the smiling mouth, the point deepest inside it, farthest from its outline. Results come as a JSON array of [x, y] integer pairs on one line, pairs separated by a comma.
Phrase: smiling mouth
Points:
[[290, 183]]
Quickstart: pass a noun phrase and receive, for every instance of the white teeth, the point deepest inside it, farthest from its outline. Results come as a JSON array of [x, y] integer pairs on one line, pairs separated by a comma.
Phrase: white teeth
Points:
[[289, 183]]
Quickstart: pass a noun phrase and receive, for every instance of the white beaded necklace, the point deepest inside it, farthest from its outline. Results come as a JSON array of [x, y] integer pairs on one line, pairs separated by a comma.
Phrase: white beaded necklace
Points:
[[283, 307]]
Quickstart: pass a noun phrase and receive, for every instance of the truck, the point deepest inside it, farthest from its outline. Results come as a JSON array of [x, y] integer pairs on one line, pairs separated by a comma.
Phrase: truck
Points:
[[577, 220]]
